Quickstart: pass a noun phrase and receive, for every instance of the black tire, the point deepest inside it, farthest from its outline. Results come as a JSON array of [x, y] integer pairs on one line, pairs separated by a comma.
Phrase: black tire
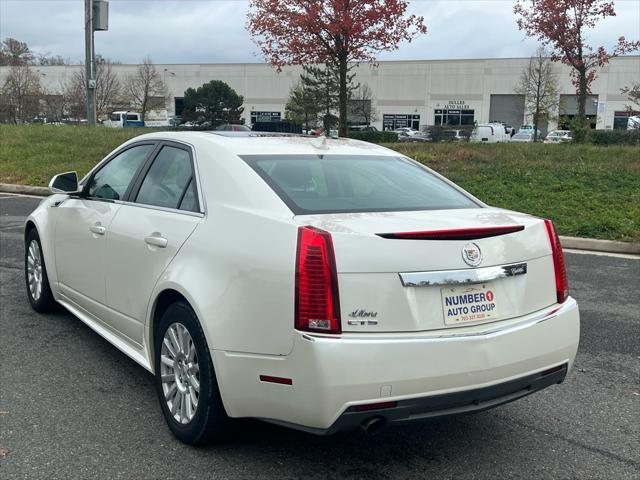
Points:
[[210, 420], [45, 302]]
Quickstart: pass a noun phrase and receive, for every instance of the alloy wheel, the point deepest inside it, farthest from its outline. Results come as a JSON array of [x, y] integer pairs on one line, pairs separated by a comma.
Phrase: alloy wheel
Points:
[[34, 270], [180, 373]]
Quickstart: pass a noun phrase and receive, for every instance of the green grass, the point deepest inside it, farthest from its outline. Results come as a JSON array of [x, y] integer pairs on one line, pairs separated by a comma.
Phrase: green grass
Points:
[[32, 154], [589, 191]]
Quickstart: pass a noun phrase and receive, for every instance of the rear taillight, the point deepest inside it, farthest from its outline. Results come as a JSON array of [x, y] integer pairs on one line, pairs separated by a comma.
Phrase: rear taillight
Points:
[[317, 307], [562, 285]]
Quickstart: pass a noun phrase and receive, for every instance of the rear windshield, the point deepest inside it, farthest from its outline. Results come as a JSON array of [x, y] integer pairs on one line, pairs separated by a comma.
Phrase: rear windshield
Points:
[[311, 184]]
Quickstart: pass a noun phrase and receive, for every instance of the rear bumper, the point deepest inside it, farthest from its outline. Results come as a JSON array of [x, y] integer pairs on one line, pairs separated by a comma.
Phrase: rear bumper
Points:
[[430, 374], [449, 404]]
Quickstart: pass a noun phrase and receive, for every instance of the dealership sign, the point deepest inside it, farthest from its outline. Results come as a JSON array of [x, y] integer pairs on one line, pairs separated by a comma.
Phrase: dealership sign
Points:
[[457, 105]]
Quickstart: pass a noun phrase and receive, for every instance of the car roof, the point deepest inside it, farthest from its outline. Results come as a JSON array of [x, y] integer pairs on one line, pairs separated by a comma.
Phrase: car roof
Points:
[[270, 143]]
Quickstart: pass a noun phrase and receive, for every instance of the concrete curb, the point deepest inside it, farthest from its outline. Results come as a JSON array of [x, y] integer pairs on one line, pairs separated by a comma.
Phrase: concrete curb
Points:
[[575, 243], [595, 245], [24, 190]]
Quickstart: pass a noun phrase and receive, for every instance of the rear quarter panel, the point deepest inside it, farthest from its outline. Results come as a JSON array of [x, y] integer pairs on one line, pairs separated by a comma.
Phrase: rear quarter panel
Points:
[[238, 267]]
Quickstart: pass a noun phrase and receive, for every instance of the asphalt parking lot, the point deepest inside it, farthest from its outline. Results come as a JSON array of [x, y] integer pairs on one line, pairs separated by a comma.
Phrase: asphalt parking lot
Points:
[[72, 406]]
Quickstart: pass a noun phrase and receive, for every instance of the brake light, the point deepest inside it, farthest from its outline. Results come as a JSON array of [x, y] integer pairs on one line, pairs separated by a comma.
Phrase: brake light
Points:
[[562, 284], [317, 307], [454, 234]]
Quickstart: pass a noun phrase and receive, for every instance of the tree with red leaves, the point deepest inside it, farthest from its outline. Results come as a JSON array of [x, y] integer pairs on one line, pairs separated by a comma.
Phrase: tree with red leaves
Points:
[[330, 32], [561, 25]]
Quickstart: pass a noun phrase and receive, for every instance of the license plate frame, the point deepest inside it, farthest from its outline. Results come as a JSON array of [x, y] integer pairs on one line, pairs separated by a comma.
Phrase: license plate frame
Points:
[[466, 304]]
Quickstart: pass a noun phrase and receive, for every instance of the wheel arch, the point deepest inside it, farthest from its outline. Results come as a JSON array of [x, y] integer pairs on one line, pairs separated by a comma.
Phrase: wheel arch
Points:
[[163, 300], [30, 225]]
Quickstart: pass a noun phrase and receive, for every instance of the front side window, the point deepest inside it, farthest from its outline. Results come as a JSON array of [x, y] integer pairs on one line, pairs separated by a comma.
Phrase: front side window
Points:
[[169, 181], [311, 184], [112, 180]]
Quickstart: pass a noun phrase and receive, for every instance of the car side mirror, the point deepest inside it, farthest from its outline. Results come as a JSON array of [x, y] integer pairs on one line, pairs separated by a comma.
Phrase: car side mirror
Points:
[[64, 183]]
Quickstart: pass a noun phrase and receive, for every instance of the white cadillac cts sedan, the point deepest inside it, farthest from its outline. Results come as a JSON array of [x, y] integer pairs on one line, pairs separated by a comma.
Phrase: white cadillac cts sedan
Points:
[[321, 284]]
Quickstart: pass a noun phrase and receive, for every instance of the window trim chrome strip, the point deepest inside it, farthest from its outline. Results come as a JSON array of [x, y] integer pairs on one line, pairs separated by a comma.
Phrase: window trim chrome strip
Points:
[[161, 209], [462, 277]]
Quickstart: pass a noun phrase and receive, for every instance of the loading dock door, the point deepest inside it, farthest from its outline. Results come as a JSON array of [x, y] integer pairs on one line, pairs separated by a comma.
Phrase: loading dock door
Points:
[[569, 109], [508, 109]]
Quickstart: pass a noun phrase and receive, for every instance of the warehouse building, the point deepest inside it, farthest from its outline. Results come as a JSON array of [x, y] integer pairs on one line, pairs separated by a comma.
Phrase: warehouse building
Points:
[[405, 93]]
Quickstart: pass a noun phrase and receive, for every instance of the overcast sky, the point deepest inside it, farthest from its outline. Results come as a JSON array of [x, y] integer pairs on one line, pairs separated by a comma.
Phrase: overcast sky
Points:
[[210, 31]]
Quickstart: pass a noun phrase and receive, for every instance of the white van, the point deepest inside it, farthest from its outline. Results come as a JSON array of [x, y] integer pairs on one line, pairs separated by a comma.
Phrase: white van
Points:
[[124, 119], [489, 133]]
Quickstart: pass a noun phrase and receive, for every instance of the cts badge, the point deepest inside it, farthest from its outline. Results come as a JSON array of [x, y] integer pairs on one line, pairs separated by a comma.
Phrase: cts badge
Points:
[[471, 254]]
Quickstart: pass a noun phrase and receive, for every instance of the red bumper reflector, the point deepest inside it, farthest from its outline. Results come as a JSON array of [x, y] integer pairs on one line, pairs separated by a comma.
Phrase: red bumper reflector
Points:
[[375, 406], [454, 234], [280, 380]]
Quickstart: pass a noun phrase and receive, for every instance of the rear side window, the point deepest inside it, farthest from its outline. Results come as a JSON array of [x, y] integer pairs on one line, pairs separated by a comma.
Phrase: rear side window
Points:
[[311, 184], [169, 181]]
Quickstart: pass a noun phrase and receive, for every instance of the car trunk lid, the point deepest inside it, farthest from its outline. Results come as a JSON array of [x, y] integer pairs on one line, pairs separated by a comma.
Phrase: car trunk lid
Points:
[[394, 280]]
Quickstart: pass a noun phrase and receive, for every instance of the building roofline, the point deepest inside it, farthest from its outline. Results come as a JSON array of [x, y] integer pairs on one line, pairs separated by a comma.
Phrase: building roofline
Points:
[[257, 64]]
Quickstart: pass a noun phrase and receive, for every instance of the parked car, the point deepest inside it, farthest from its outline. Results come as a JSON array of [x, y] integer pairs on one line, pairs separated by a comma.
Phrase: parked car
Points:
[[362, 128], [175, 120], [522, 137], [321, 284], [489, 133], [407, 130], [416, 137], [529, 129], [454, 136], [233, 128], [558, 136]]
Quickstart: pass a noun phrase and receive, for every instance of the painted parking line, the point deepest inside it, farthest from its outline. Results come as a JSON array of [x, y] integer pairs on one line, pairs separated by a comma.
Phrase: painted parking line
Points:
[[7, 196]]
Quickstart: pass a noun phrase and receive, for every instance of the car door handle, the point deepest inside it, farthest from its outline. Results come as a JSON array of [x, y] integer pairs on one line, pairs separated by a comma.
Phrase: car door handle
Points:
[[156, 240], [97, 229]]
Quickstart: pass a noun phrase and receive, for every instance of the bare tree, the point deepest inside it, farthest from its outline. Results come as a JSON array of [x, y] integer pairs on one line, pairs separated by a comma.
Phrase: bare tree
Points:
[[361, 104], [55, 104], [539, 86], [47, 59], [21, 92], [14, 52], [145, 88], [108, 89]]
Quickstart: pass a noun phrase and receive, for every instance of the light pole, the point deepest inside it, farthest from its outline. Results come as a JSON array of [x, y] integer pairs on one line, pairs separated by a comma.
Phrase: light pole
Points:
[[96, 17]]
